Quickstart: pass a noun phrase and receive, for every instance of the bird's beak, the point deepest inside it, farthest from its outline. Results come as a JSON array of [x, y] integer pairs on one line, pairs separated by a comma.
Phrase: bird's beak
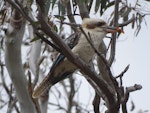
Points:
[[110, 29]]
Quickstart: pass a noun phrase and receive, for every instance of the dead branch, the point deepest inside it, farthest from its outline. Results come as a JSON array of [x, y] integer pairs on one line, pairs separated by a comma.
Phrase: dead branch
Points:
[[18, 6], [74, 59], [126, 96], [9, 94], [96, 103], [127, 22], [123, 72]]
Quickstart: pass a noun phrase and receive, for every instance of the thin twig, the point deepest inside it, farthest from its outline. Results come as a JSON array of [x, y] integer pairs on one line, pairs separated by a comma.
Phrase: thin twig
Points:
[[126, 97], [96, 103], [127, 22], [88, 37], [8, 92], [100, 55], [70, 15], [76, 60], [71, 24], [123, 72], [46, 40], [18, 6], [83, 9]]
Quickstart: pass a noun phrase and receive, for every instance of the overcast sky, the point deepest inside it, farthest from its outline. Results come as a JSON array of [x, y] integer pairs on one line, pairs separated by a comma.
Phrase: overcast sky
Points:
[[136, 52]]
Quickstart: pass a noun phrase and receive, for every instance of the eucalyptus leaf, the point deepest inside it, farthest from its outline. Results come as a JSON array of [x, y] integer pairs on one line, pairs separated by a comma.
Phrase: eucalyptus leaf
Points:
[[103, 6], [133, 24], [35, 39], [53, 3], [137, 30], [126, 14], [83, 1], [97, 5], [55, 28], [110, 4], [47, 6]]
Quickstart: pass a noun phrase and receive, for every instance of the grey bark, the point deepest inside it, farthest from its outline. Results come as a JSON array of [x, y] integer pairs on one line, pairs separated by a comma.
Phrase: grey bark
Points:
[[13, 41]]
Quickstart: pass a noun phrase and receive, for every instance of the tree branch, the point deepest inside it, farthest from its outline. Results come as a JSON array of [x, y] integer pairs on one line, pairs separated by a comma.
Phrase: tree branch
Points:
[[18, 6], [13, 61], [8, 92], [126, 96], [75, 60], [96, 103], [70, 15], [127, 22], [83, 9], [123, 72]]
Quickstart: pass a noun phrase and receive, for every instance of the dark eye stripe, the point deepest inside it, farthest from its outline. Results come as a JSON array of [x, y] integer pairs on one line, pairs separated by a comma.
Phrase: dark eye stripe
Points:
[[101, 23], [90, 26], [94, 25]]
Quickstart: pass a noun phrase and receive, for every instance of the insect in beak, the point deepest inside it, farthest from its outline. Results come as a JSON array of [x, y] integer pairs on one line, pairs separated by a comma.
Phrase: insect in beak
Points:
[[110, 29]]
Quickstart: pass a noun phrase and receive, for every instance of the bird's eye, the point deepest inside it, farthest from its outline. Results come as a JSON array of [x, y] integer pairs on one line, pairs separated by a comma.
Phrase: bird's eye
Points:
[[101, 23]]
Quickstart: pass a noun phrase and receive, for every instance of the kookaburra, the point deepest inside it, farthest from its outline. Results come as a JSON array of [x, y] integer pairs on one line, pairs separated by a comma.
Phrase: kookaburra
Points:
[[62, 67]]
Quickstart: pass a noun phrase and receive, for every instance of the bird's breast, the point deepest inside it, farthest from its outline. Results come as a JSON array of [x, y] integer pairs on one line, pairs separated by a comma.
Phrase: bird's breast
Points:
[[84, 49]]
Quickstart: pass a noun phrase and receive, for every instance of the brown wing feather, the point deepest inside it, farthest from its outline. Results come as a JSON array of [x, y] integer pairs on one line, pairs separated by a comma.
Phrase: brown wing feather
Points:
[[42, 88], [51, 78]]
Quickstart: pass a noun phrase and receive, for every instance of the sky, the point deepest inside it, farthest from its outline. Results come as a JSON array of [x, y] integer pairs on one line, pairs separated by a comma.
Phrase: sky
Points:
[[135, 51]]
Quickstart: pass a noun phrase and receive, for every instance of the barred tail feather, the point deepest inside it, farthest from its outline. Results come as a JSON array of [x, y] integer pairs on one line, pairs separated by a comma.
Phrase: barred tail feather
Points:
[[42, 88]]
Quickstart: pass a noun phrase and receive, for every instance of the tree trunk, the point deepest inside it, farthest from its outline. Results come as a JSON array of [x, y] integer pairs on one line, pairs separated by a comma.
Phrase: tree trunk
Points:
[[13, 40]]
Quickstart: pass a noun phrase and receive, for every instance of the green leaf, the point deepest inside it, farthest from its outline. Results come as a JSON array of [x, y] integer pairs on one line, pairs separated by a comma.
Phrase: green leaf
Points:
[[97, 5], [60, 17], [137, 30], [47, 6], [126, 14], [121, 11], [55, 28], [1, 43], [133, 24], [37, 23], [61, 9], [83, 1], [35, 39], [53, 3], [110, 4], [103, 6], [139, 20]]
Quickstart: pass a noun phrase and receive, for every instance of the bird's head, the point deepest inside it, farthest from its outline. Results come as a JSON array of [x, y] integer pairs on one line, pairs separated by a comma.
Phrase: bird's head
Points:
[[98, 25]]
